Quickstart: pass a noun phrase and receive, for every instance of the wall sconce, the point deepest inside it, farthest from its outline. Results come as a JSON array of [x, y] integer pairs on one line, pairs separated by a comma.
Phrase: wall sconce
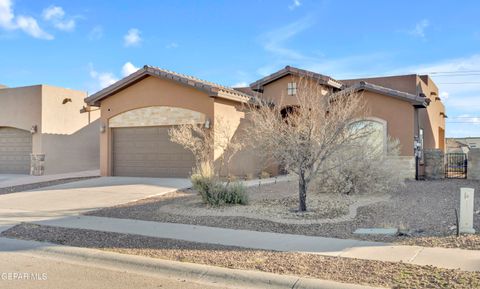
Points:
[[103, 128], [207, 124], [33, 129]]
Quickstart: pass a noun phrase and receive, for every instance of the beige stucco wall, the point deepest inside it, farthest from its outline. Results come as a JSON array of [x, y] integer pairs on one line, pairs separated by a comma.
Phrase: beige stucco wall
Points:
[[250, 160], [431, 119], [277, 90], [59, 118], [151, 91], [79, 151], [399, 116]]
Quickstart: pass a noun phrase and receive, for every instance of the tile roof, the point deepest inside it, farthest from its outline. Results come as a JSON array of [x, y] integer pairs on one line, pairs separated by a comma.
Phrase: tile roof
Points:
[[323, 79], [213, 89], [414, 99]]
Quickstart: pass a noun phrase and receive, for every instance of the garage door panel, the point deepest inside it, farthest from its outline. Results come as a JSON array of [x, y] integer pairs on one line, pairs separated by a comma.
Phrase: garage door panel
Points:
[[15, 149], [148, 152]]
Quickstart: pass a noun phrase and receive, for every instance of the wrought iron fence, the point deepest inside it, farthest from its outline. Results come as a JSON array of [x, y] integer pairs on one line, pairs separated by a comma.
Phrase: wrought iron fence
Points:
[[456, 166]]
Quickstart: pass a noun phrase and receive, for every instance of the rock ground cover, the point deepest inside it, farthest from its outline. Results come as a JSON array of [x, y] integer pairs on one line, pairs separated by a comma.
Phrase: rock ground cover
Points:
[[423, 210], [348, 270]]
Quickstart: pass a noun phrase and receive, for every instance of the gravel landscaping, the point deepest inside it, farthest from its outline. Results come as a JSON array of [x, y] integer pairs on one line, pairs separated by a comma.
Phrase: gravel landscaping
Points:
[[376, 273], [423, 210], [28, 187]]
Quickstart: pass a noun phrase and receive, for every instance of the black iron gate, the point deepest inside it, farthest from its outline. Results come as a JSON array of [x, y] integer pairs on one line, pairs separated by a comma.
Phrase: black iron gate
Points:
[[456, 166]]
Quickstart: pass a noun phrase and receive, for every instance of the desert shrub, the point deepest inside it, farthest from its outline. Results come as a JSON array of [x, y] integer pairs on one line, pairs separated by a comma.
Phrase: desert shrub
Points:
[[264, 175], [249, 176], [216, 193], [363, 167]]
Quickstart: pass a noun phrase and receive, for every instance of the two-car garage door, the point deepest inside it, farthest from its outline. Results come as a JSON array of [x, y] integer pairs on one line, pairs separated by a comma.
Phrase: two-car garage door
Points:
[[148, 152], [15, 150]]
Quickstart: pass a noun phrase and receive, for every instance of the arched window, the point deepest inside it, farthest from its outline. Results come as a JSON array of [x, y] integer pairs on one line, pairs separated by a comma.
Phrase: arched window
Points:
[[375, 132]]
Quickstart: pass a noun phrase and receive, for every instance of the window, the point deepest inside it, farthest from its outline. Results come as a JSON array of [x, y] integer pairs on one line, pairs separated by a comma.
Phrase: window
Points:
[[377, 139], [292, 88]]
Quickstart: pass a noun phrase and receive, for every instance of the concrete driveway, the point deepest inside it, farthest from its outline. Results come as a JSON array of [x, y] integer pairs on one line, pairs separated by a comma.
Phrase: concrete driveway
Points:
[[77, 197], [9, 177]]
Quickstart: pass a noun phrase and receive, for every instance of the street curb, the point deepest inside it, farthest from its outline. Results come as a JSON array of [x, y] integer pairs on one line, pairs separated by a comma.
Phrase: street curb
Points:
[[170, 269]]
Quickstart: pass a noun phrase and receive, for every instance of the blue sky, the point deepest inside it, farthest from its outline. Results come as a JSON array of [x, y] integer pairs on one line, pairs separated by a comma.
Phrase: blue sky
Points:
[[88, 44]]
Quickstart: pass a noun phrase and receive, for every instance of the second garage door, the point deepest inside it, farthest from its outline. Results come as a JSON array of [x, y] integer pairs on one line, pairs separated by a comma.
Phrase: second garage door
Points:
[[148, 152], [15, 150]]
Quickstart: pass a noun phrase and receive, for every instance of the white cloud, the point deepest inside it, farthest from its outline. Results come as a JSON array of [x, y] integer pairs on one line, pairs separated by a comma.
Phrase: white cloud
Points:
[[128, 68], [132, 38], [276, 40], [53, 12], [444, 95], [56, 15], [419, 30], [172, 45], [96, 33], [30, 26], [6, 14], [103, 79], [27, 24], [295, 4], [240, 84]]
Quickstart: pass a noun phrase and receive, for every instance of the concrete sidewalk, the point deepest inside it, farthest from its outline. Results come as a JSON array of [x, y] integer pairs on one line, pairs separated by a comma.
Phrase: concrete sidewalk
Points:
[[467, 260], [97, 263], [18, 180]]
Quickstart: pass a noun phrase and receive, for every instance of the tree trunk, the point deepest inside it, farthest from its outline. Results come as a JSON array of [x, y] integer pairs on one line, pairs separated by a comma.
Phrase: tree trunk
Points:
[[302, 192]]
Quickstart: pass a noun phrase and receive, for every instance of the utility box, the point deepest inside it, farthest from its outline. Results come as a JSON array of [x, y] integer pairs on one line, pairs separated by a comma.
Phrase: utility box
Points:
[[466, 211]]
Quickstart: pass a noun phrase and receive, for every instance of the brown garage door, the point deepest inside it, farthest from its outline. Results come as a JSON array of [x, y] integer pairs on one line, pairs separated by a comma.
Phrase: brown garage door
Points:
[[148, 152], [15, 149]]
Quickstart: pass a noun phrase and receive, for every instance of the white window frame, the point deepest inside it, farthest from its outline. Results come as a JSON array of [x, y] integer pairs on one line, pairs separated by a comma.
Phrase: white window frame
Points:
[[292, 88]]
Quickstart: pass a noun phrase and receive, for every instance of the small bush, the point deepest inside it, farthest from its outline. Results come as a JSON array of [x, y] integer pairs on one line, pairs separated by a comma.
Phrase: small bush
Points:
[[216, 193], [264, 175], [249, 176]]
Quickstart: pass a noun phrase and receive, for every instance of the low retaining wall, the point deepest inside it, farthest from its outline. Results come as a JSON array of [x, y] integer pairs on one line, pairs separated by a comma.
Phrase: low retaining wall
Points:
[[434, 164], [473, 169]]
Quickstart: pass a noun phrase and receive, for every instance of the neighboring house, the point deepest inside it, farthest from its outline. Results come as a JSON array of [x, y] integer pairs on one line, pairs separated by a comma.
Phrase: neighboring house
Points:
[[462, 144], [137, 111], [44, 123]]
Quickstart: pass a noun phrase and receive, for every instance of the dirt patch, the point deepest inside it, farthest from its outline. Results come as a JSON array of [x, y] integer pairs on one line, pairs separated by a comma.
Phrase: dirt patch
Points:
[[422, 208], [28, 187], [375, 273]]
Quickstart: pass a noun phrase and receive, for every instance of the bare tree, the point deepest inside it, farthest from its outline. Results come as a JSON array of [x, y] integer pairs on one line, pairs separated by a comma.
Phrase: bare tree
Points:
[[204, 142], [302, 137]]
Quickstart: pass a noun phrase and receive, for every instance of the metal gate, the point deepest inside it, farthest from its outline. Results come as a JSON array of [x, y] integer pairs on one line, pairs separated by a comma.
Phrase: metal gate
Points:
[[456, 166]]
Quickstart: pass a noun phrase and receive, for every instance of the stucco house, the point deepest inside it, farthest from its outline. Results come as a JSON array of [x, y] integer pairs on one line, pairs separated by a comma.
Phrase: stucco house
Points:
[[42, 131], [137, 111]]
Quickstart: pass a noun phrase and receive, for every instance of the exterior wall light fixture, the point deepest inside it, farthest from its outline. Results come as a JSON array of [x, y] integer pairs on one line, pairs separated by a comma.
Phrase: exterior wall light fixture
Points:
[[103, 128], [33, 129]]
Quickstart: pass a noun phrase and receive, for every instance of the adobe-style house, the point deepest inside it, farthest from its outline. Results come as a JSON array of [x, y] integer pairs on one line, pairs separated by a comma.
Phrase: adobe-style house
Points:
[[43, 132], [137, 112]]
